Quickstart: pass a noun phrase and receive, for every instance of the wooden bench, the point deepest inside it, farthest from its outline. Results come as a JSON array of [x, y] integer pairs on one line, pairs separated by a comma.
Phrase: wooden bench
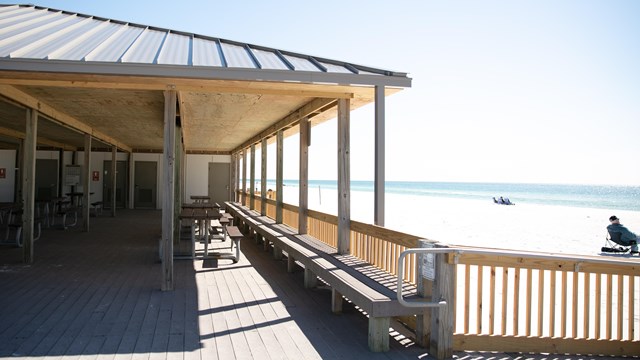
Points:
[[371, 289], [235, 235], [96, 207]]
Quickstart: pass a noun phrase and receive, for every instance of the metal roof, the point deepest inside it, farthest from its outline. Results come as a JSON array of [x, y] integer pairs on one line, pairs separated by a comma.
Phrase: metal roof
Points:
[[34, 38]]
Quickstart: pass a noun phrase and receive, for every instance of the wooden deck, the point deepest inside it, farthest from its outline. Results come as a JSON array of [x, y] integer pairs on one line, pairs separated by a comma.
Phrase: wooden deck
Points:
[[96, 296]]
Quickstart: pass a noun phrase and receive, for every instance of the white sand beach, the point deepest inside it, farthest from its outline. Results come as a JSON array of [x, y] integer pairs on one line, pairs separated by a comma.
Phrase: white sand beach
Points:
[[544, 228]]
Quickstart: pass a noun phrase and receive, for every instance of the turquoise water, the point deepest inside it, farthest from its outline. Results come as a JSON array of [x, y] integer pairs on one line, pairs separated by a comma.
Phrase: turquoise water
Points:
[[581, 196]]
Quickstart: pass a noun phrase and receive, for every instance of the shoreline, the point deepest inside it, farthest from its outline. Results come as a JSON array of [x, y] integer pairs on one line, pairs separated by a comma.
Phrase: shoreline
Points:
[[469, 222]]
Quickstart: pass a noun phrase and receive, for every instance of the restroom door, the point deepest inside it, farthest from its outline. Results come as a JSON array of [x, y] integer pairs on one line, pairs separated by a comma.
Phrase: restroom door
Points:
[[46, 181], [219, 182], [145, 184], [121, 184]]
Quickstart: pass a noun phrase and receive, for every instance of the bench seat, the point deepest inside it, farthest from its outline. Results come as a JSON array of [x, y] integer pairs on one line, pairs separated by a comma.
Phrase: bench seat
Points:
[[371, 289]]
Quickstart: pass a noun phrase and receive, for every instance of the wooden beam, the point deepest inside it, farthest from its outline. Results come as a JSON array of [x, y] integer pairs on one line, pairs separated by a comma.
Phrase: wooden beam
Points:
[[90, 81], [244, 176], [28, 171], [86, 186], [40, 140], [311, 109], [303, 202], [170, 99], [379, 174], [344, 177], [56, 116]]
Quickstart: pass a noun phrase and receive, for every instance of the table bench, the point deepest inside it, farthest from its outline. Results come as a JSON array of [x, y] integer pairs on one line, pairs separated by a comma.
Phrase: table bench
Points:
[[371, 289], [96, 206]]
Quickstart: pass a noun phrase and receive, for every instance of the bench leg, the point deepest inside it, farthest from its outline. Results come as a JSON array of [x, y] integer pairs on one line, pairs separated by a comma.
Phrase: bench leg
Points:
[[237, 242], [291, 263], [379, 334], [336, 301], [265, 244], [277, 253], [310, 279], [258, 238]]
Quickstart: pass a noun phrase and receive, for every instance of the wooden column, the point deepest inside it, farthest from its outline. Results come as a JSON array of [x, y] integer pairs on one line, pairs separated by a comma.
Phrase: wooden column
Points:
[[344, 176], [252, 178], [279, 174], [86, 185], [378, 207], [28, 171], [303, 202], [235, 165], [131, 181], [114, 186], [263, 177], [442, 317], [177, 184], [168, 189], [244, 176]]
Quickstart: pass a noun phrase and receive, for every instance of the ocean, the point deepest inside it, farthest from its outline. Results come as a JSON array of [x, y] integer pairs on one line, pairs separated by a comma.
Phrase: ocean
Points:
[[613, 197]]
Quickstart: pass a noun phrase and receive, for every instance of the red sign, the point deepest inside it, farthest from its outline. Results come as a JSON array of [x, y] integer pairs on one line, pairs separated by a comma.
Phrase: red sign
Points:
[[96, 176], [3, 173]]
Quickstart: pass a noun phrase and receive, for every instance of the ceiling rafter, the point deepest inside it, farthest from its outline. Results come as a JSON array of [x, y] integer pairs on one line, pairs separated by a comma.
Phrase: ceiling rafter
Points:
[[310, 109], [20, 97], [41, 140]]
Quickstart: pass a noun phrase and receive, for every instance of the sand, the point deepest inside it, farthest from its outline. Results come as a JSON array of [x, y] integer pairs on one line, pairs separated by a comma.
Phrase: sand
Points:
[[544, 228]]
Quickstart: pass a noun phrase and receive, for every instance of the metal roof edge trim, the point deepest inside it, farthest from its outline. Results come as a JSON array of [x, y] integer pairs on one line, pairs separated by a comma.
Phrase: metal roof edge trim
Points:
[[201, 72]]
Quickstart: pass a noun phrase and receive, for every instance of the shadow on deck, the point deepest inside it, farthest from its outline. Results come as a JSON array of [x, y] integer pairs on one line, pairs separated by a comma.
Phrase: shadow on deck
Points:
[[96, 295]]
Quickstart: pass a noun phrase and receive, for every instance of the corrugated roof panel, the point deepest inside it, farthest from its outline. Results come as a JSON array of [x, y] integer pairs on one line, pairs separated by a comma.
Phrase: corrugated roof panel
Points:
[[78, 48], [11, 15], [332, 68], [205, 53], [269, 60], [237, 56], [41, 18], [301, 64], [42, 48], [145, 49], [112, 48], [13, 43], [175, 50]]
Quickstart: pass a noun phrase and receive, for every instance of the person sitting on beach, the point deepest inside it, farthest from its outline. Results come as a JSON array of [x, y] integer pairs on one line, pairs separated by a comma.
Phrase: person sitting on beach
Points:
[[627, 238], [507, 201], [501, 201], [494, 200]]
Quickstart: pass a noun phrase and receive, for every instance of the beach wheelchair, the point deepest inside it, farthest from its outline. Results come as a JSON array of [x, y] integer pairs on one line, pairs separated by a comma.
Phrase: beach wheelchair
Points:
[[615, 245]]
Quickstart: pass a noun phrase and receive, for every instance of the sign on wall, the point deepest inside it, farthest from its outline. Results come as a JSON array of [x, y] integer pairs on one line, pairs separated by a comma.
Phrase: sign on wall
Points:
[[95, 175], [3, 173]]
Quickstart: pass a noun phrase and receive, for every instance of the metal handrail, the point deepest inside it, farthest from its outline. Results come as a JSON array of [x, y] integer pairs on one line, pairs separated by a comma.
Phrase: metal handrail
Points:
[[418, 303]]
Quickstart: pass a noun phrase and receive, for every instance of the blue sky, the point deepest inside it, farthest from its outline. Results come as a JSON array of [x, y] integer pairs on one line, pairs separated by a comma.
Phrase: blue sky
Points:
[[503, 91]]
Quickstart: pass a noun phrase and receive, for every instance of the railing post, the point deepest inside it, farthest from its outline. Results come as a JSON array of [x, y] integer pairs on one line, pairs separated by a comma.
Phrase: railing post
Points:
[[441, 344], [252, 179], [426, 270]]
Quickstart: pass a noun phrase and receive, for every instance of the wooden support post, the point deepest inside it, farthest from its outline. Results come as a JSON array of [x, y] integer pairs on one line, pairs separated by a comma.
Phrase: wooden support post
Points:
[[425, 290], [244, 176], [344, 192], [170, 98], [379, 333], [277, 252], [291, 263], [379, 175], [252, 178], [310, 279], [263, 177], [177, 183], [279, 174], [114, 187], [336, 301], [28, 171], [86, 186], [131, 181], [234, 177], [442, 317], [303, 198]]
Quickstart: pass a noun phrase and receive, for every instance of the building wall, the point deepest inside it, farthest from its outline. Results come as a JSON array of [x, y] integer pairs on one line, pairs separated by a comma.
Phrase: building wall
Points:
[[196, 172]]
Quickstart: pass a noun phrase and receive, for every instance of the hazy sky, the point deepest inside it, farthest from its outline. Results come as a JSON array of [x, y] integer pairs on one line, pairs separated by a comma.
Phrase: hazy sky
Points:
[[503, 91]]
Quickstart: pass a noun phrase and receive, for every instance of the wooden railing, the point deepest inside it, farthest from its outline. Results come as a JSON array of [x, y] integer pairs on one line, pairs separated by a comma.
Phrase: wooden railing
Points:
[[522, 302], [547, 303]]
